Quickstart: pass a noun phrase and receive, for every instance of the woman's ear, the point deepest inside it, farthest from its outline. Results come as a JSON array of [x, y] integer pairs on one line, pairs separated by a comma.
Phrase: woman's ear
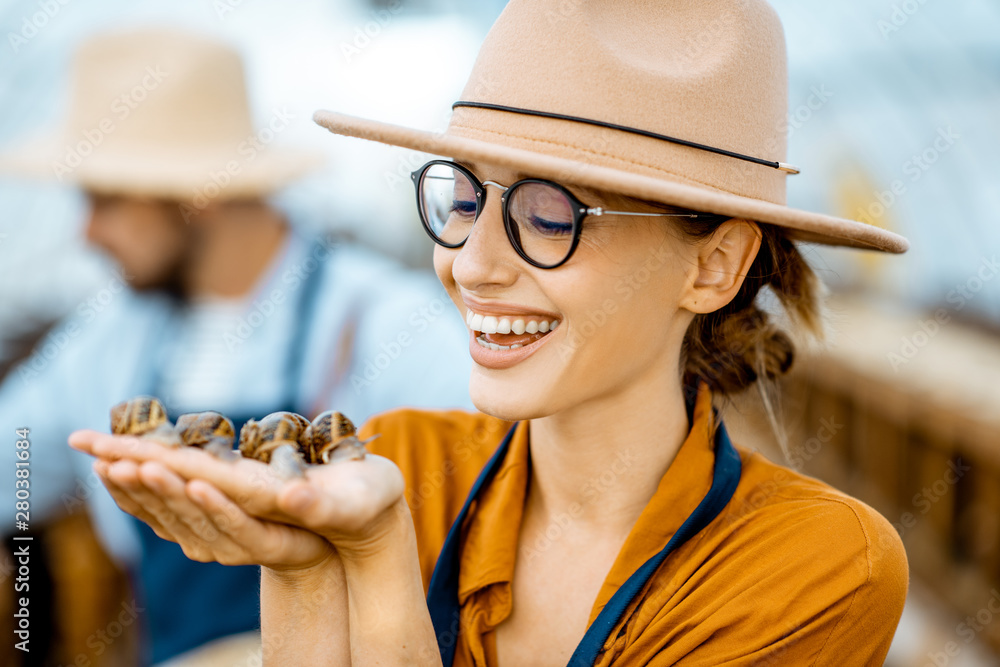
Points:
[[721, 264]]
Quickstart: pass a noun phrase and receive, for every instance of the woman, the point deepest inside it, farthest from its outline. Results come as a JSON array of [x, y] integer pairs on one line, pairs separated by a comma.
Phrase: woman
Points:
[[611, 157]]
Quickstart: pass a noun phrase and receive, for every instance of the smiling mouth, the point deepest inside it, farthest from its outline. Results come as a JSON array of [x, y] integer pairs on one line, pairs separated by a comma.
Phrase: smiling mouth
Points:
[[508, 332]]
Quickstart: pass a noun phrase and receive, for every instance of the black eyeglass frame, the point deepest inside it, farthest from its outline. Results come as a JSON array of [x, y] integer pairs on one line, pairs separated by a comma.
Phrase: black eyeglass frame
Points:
[[579, 209]]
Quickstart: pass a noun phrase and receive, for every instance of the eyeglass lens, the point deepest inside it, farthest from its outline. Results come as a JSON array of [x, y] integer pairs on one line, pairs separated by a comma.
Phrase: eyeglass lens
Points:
[[540, 215]]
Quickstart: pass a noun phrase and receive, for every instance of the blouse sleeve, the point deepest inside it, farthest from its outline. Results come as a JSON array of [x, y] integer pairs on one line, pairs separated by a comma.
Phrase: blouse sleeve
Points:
[[820, 583]]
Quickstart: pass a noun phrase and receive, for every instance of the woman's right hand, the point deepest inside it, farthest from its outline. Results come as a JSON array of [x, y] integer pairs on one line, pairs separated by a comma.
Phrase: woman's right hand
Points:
[[204, 522]]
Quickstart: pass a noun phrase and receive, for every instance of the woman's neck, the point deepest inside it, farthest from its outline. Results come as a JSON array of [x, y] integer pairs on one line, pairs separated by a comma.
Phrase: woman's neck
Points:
[[601, 462]]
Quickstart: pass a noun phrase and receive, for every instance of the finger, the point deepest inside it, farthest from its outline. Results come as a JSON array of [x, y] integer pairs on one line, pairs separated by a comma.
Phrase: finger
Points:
[[83, 440], [126, 475], [171, 490], [115, 447], [271, 543], [346, 497], [125, 502], [250, 483]]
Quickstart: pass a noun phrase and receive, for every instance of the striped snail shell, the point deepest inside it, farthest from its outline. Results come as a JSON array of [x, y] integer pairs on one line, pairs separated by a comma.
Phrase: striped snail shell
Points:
[[208, 430], [137, 416], [258, 439], [332, 437]]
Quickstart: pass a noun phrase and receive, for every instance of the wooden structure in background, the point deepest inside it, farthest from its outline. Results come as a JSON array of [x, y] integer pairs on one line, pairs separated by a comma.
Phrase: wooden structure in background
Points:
[[915, 415]]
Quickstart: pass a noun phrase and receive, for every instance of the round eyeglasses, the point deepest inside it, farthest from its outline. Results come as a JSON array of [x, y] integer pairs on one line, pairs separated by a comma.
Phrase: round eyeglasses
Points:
[[543, 219]]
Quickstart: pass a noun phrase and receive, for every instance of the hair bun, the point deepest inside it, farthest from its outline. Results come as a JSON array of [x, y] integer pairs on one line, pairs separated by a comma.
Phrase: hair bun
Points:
[[742, 347]]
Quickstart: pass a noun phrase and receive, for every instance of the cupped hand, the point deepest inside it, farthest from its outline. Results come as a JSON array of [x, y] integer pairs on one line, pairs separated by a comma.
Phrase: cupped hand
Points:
[[350, 504], [204, 522]]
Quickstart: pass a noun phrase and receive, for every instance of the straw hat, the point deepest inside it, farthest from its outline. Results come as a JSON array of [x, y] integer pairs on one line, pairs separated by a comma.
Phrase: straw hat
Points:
[[605, 93], [161, 113]]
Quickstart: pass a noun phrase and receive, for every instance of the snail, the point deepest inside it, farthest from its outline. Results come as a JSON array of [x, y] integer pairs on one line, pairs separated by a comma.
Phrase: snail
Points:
[[144, 416], [288, 442], [259, 439], [137, 416], [208, 430], [332, 437]]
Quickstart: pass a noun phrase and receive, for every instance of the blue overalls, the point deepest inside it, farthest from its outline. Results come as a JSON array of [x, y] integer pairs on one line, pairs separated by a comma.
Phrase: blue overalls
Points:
[[190, 603]]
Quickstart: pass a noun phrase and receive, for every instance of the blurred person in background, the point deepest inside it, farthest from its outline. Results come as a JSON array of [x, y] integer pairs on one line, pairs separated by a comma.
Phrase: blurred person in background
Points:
[[218, 304]]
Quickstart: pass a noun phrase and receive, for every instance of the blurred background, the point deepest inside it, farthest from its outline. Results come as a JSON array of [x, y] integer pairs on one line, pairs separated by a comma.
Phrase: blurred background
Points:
[[894, 118]]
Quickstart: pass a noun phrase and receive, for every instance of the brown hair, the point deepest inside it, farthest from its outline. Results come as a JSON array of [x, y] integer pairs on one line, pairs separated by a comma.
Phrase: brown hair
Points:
[[738, 345]]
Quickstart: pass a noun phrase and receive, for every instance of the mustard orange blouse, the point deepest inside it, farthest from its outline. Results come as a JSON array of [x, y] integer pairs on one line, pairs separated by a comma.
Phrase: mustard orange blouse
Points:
[[792, 572]]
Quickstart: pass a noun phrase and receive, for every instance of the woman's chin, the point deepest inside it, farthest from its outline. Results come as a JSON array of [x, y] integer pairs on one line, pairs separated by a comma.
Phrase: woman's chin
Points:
[[508, 400]]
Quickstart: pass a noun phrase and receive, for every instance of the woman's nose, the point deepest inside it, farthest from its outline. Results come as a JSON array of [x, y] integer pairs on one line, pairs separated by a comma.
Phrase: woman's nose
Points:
[[487, 257]]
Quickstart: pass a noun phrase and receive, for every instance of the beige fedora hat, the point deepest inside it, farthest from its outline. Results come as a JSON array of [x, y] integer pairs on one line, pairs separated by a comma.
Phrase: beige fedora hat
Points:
[[161, 113], [683, 102]]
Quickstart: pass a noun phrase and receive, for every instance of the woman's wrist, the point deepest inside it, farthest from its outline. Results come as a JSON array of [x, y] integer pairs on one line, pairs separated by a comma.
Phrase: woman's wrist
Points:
[[303, 575], [304, 614], [390, 623], [389, 533]]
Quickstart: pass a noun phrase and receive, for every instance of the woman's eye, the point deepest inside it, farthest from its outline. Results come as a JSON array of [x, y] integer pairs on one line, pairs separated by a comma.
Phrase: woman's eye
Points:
[[550, 227], [466, 208]]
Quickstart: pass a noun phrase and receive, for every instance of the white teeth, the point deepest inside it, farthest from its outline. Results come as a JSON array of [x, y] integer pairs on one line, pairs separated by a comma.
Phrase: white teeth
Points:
[[505, 325], [515, 346], [494, 346]]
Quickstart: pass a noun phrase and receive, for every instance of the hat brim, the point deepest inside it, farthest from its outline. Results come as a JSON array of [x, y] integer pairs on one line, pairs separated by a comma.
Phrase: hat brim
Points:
[[801, 225], [216, 176]]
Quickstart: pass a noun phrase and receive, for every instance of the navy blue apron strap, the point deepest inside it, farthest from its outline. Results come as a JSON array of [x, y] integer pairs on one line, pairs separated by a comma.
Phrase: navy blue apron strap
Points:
[[305, 312], [724, 481], [442, 594]]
